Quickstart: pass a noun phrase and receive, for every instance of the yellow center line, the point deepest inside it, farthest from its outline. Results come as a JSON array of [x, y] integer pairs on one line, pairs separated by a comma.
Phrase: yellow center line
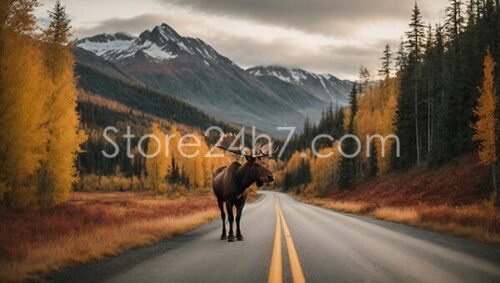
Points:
[[276, 268], [275, 271], [297, 274]]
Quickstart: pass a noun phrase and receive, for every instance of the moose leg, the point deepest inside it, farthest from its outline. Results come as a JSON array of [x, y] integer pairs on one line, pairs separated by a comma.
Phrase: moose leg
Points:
[[223, 217], [239, 211], [229, 209]]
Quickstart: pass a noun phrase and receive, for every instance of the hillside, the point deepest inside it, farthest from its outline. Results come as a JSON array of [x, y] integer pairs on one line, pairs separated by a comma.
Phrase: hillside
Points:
[[462, 182], [142, 99], [194, 72]]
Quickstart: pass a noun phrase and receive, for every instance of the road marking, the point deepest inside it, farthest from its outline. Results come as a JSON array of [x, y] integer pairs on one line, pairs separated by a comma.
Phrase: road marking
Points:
[[297, 274], [275, 271]]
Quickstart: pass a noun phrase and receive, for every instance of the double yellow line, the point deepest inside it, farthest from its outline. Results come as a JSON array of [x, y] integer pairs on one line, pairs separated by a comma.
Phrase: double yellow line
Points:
[[276, 268]]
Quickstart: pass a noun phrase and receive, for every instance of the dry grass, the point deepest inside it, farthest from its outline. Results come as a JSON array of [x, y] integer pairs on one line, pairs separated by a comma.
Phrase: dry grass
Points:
[[407, 215], [91, 226], [453, 199], [342, 206], [476, 221]]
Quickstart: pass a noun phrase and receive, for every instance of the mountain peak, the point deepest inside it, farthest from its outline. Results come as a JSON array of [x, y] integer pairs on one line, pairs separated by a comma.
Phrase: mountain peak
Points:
[[162, 43], [165, 32]]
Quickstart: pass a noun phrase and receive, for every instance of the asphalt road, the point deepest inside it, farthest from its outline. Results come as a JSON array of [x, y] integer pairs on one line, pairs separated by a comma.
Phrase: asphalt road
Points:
[[324, 246]]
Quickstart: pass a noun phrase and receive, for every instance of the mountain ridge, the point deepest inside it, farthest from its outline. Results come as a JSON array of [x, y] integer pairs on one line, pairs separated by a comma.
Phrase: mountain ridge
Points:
[[193, 71]]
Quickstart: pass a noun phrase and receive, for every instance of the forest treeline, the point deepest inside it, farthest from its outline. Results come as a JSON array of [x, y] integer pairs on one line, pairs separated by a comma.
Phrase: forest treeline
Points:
[[436, 92], [168, 172], [53, 113]]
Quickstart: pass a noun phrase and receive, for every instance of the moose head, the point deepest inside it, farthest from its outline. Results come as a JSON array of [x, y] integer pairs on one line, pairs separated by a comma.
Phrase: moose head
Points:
[[254, 170]]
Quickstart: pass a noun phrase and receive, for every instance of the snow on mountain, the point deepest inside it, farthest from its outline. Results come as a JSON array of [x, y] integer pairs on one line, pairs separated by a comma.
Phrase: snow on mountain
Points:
[[106, 44], [295, 76], [191, 70], [324, 86], [161, 43]]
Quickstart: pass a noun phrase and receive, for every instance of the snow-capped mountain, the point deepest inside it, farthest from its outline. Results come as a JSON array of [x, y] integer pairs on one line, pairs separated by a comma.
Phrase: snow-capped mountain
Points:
[[193, 71], [161, 43], [324, 86], [105, 45]]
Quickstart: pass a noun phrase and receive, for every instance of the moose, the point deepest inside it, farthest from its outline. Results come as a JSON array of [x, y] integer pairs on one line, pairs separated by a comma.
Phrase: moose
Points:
[[230, 183]]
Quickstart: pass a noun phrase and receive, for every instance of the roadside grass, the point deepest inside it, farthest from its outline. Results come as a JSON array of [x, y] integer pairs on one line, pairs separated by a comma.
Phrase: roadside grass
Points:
[[476, 221], [454, 199], [91, 226], [407, 215], [342, 206]]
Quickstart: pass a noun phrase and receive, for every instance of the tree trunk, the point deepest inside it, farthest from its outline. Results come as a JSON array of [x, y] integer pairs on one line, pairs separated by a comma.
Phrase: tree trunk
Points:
[[417, 138], [495, 186], [429, 120]]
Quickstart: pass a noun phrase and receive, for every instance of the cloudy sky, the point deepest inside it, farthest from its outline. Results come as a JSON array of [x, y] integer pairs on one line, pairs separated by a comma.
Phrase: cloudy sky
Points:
[[325, 36]]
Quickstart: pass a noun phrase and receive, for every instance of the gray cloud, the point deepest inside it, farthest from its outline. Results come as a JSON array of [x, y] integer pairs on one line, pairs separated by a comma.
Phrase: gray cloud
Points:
[[319, 16], [342, 61], [332, 18], [133, 25], [249, 50]]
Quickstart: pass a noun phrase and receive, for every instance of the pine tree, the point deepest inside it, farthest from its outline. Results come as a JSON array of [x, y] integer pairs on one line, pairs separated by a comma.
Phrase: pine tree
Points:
[[454, 18], [59, 172], [485, 126], [347, 168], [471, 13], [174, 175], [401, 58], [385, 72], [409, 112], [415, 42]]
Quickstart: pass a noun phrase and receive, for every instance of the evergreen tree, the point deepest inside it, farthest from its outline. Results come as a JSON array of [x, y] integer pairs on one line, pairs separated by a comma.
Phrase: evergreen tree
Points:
[[415, 37], [175, 176], [401, 58], [454, 18], [385, 72], [347, 168], [408, 126]]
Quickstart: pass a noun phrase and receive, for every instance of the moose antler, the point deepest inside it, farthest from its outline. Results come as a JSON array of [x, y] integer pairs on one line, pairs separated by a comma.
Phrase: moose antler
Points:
[[231, 143], [266, 150]]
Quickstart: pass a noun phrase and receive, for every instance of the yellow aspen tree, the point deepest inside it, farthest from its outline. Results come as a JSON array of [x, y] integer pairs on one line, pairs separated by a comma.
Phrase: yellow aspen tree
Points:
[[59, 172], [486, 120], [207, 164], [157, 161], [200, 169], [23, 93]]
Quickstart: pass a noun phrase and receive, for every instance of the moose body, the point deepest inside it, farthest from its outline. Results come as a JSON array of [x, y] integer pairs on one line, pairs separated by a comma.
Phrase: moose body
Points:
[[230, 184]]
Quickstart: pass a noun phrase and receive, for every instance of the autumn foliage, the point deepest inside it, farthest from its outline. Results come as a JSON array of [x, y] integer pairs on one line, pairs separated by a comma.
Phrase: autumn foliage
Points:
[[376, 110], [485, 112], [40, 136]]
